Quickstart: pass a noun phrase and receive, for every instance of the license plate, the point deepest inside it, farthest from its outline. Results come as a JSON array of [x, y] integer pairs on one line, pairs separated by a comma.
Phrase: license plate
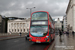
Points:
[[37, 41]]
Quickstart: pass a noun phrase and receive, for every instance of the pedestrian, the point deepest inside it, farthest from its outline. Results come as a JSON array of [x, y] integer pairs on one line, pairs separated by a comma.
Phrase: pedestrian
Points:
[[10, 33], [73, 33], [64, 32], [20, 33], [67, 33], [60, 33]]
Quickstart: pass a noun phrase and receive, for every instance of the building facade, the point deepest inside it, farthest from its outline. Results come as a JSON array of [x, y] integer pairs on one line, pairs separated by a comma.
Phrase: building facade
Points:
[[18, 25], [2, 24], [58, 24], [70, 13], [65, 23]]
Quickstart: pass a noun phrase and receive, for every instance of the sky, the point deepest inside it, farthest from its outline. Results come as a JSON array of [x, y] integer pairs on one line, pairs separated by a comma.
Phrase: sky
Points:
[[17, 8]]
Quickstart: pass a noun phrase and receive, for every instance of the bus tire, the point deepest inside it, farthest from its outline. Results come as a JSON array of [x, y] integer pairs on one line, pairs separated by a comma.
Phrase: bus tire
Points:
[[49, 41]]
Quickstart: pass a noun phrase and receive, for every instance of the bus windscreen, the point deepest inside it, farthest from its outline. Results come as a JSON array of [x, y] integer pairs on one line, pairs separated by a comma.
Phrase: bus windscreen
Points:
[[39, 31], [39, 16]]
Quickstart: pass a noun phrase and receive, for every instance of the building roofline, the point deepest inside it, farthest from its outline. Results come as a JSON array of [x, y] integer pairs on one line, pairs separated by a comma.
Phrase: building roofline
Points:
[[68, 6], [11, 17]]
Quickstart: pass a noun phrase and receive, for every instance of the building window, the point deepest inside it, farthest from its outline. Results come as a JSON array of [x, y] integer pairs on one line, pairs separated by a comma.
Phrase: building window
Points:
[[12, 24], [21, 30], [15, 25], [27, 25], [18, 25], [24, 30], [24, 25], [21, 24], [27, 29], [12, 30], [18, 30], [15, 30]]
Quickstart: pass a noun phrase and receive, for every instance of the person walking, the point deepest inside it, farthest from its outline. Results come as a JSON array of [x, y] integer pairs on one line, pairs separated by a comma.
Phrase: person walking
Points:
[[67, 33], [73, 33], [10, 32], [20, 33], [60, 33]]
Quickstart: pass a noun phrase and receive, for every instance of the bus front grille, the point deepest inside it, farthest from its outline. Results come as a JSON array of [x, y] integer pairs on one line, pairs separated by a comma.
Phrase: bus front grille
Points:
[[38, 38]]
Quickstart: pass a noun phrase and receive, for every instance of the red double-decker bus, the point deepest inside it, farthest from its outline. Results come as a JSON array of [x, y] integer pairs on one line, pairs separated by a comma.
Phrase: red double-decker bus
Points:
[[41, 27]]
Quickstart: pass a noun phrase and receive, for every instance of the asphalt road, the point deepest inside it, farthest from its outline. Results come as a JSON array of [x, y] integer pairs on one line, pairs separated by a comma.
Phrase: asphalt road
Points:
[[21, 44]]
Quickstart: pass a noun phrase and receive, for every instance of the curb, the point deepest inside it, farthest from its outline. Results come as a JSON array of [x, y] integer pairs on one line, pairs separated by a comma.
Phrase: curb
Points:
[[51, 48], [47, 47], [11, 38]]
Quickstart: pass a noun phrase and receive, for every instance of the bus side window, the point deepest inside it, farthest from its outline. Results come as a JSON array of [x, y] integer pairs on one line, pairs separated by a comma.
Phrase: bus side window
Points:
[[49, 30], [53, 30]]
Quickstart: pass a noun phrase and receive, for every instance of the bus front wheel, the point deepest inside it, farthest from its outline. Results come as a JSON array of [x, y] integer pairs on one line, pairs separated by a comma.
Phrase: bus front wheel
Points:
[[50, 40]]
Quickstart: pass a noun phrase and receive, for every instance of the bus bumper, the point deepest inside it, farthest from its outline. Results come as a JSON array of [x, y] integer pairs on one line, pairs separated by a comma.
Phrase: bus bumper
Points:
[[39, 41]]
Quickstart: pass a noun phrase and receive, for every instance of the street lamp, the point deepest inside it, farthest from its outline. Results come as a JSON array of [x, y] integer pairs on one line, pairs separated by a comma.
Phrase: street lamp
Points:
[[30, 9]]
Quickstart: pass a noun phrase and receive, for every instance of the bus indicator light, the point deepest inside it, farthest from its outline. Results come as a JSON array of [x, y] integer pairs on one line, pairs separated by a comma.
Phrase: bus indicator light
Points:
[[47, 41], [29, 40]]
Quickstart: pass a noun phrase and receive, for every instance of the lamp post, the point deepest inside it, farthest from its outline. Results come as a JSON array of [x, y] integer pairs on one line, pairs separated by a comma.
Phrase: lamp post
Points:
[[30, 9]]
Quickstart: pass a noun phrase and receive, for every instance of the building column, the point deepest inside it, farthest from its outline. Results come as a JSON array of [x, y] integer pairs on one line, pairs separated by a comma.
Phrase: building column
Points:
[[16, 28], [73, 18], [13, 28], [22, 27], [19, 28]]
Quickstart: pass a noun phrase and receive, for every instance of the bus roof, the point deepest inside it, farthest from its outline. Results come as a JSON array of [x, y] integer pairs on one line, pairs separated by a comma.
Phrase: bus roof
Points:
[[39, 11]]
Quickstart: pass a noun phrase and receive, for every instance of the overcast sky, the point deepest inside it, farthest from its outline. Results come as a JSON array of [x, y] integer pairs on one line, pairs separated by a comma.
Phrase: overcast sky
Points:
[[17, 8]]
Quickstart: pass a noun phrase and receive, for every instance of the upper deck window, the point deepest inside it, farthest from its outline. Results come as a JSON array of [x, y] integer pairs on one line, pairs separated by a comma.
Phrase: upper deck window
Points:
[[39, 16]]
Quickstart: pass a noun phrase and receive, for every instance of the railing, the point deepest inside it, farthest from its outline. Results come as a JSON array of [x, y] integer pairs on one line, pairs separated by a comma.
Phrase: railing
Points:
[[7, 34]]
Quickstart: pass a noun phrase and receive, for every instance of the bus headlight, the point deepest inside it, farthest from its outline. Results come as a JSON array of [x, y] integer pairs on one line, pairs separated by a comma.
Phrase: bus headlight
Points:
[[46, 37]]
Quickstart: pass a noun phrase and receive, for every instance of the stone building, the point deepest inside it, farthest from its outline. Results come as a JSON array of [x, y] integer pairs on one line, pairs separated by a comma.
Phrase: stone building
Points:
[[2, 24], [58, 24], [70, 13], [18, 25], [65, 23]]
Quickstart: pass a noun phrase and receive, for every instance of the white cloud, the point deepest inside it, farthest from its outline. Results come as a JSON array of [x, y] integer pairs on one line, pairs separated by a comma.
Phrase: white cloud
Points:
[[22, 5], [18, 7], [12, 4], [56, 17], [30, 2]]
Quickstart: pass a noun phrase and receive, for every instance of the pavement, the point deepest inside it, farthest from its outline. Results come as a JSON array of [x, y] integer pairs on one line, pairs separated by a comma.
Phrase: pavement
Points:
[[10, 37], [63, 43]]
